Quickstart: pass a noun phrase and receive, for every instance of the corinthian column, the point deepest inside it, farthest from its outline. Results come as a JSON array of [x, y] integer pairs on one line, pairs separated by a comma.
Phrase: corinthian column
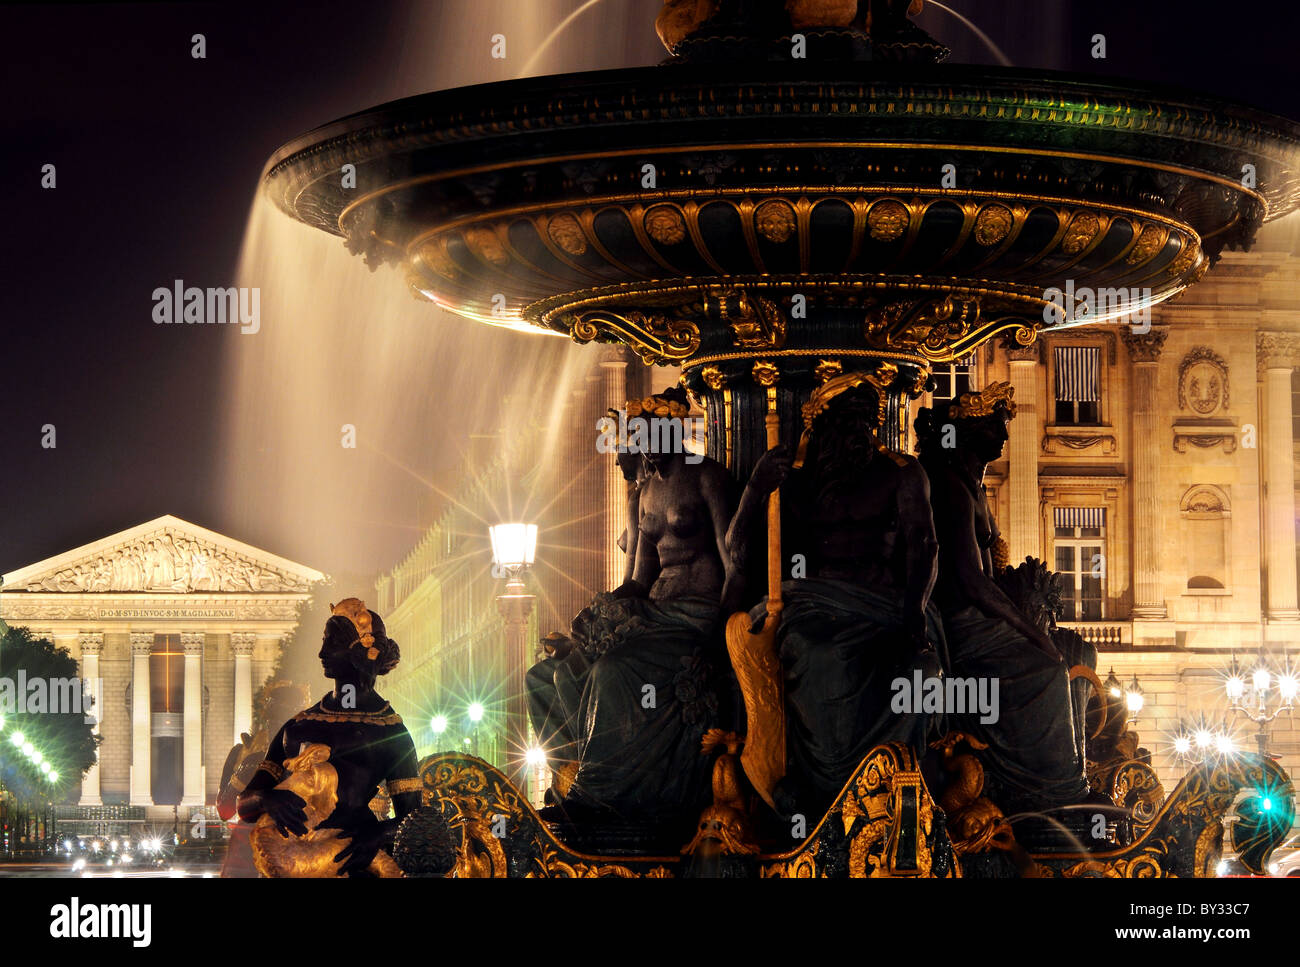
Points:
[[192, 743], [1022, 532], [242, 645], [91, 646], [141, 730], [1276, 353], [1148, 531]]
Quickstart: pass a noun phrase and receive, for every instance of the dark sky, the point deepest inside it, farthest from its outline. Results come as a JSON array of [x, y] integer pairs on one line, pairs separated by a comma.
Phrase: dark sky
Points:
[[158, 157]]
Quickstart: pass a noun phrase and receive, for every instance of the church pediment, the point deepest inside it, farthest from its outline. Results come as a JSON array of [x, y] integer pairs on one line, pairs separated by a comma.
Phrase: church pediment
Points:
[[166, 555]]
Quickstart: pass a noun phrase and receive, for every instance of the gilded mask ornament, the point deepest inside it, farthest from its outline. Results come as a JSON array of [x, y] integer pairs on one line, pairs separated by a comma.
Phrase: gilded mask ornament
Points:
[[775, 221], [992, 224], [887, 221], [567, 234], [433, 253], [665, 225], [484, 243]]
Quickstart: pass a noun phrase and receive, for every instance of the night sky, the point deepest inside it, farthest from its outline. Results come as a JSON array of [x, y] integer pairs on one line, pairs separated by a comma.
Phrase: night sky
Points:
[[158, 157]]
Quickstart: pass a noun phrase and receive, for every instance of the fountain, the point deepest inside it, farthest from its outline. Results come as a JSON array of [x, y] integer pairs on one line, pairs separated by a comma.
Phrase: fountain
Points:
[[803, 191]]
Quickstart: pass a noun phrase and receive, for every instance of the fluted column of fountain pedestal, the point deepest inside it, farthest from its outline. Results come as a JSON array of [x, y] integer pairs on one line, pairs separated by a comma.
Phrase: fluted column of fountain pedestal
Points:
[[1276, 355], [1023, 532], [1148, 537], [614, 367]]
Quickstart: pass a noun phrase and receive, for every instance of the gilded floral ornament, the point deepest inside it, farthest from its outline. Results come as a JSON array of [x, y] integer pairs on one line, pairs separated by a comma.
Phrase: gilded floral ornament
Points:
[[1150, 241], [765, 373], [713, 377], [827, 369], [1082, 230]]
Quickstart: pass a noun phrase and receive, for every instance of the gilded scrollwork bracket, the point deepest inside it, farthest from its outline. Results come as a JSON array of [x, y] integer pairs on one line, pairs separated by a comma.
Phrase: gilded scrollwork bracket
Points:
[[655, 338]]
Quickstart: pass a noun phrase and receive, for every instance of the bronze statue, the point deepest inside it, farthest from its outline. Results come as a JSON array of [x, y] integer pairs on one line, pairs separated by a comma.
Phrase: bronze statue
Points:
[[621, 704], [280, 700], [310, 796], [860, 542], [1033, 759]]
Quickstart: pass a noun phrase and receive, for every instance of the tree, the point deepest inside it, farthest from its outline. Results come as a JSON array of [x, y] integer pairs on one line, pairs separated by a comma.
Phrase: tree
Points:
[[44, 702]]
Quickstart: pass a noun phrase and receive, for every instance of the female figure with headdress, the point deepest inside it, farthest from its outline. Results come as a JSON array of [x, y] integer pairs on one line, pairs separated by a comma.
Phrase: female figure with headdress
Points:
[[310, 796], [1033, 759], [622, 703], [859, 617]]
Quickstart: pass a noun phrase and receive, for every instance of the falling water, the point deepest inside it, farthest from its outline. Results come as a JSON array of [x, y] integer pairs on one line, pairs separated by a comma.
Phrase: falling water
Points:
[[342, 347], [984, 38]]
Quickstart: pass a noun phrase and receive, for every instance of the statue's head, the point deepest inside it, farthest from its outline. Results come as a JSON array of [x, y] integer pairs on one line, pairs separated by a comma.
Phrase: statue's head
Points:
[[280, 701], [658, 427], [355, 647], [974, 423], [845, 411]]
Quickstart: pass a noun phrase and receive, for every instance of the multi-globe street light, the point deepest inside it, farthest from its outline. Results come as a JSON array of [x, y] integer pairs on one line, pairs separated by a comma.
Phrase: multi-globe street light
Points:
[[1262, 696]]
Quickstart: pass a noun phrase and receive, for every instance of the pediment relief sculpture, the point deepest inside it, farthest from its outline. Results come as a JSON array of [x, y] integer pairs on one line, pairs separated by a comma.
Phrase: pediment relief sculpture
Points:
[[167, 561]]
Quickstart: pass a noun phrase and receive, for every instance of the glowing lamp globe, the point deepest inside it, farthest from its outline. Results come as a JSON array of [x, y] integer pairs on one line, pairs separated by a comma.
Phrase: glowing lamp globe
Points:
[[514, 546], [1261, 679], [1134, 698], [1287, 686]]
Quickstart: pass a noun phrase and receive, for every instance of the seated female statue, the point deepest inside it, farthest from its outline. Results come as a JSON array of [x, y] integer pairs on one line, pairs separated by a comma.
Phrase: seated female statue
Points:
[[1033, 760], [856, 612], [310, 796], [622, 702]]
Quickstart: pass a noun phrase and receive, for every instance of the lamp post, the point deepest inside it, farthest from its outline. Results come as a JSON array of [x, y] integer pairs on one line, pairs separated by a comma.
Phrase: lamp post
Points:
[[514, 548], [1262, 697], [1131, 695]]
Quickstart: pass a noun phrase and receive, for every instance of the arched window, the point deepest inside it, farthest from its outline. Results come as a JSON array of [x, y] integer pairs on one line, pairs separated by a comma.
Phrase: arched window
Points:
[[1205, 512]]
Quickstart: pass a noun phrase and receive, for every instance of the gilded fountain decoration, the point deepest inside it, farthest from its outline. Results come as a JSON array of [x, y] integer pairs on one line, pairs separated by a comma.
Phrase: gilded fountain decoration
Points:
[[769, 222]]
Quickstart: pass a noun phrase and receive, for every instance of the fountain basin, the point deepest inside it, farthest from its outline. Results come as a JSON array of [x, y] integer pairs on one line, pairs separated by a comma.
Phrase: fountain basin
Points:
[[527, 203]]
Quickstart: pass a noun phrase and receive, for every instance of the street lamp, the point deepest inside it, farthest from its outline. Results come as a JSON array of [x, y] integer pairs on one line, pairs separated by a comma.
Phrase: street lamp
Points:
[[514, 549], [1267, 695], [1134, 699]]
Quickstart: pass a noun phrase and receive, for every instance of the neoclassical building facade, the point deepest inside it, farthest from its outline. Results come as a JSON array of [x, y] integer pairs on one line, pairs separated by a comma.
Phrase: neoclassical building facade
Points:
[[175, 627], [1157, 472]]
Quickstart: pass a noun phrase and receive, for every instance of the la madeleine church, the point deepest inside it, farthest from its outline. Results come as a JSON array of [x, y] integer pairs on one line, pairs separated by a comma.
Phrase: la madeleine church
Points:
[[176, 626]]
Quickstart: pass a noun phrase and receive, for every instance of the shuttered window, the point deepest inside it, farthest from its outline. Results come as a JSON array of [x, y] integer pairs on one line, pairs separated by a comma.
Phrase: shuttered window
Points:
[[1078, 384]]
